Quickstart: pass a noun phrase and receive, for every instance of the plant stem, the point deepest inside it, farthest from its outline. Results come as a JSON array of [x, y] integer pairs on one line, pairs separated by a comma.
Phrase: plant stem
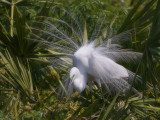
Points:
[[12, 15]]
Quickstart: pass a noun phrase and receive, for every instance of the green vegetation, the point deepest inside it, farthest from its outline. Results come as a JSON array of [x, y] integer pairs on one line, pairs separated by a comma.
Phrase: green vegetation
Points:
[[36, 46]]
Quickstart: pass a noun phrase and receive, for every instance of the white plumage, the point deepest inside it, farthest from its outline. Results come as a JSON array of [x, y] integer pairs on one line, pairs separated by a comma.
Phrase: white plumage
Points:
[[80, 79], [92, 64]]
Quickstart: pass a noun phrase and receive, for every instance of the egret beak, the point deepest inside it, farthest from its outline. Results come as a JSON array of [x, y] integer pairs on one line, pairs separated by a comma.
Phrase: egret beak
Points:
[[71, 80]]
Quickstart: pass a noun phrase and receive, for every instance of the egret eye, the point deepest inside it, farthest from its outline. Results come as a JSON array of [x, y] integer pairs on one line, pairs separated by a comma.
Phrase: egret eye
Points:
[[71, 79]]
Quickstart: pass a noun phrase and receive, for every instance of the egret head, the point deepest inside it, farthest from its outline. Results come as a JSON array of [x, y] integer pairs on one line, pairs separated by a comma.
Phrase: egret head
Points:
[[77, 79]]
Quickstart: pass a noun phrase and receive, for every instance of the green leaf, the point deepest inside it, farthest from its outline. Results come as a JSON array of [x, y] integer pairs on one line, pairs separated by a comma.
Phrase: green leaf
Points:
[[85, 36], [92, 108], [109, 108]]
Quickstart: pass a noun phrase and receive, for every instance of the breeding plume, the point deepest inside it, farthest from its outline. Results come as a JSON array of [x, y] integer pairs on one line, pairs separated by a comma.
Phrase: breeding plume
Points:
[[92, 62], [98, 64]]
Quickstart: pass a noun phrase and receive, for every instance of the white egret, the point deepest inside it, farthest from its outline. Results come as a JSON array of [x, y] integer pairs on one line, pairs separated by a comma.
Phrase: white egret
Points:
[[91, 63]]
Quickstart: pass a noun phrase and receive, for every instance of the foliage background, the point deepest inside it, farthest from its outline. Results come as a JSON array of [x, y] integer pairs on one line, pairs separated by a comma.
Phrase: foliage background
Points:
[[35, 57]]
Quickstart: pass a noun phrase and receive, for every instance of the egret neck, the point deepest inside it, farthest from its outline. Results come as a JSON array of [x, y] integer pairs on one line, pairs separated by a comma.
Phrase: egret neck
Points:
[[78, 79]]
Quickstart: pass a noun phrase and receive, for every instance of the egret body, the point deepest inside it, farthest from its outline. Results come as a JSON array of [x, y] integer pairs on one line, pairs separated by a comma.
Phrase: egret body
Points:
[[91, 64]]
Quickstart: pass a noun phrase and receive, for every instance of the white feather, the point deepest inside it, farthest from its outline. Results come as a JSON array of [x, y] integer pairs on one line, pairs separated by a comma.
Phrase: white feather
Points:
[[92, 62], [79, 79]]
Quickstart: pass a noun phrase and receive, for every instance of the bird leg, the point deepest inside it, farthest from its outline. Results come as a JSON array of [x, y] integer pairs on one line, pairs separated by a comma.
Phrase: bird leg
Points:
[[102, 94], [100, 87], [91, 97], [90, 87]]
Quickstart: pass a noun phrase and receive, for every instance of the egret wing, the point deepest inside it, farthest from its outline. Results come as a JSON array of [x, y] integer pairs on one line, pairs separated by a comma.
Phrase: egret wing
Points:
[[111, 74]]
